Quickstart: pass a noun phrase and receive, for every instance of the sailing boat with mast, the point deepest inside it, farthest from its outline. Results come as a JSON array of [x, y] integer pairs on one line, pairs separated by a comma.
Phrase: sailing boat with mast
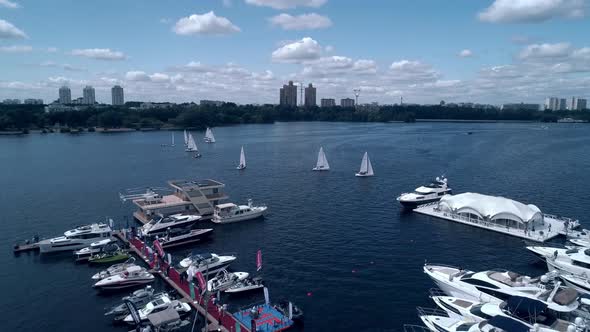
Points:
[[209, 138], [173, 140], [192, 146], [366, 167], [185, 138], [242, 164], [322, 163]]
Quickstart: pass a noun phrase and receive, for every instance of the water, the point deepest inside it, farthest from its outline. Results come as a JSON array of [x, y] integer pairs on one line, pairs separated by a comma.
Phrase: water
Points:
[[338, 246]]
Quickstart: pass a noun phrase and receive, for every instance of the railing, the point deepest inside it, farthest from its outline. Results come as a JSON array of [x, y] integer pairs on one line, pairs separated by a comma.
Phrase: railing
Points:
[[431, 312]]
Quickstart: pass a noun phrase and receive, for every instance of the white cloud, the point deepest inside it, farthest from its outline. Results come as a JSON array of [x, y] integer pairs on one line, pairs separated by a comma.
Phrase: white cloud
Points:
[[286, 4], [531, 11], [365, 66], [9, 31], [301, 22], [159, 78], [545, 51], [299, 51], [412, 71], [16, 49], [99, 54], [52, 49], [9, 4], [137, 76], [205, 24], [465, 53]]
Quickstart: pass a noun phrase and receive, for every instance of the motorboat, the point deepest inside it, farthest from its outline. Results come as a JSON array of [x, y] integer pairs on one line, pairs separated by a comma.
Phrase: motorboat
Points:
[[580, 283], [436, 321], [426, 194], [76, 238], [161, 224], [245, 285], [164, 321], [138, 298], [206, 263], [178, 238], [580, 242], [322, 163], [242, 164], [498, 285], [95, 247], [209, 138], [230, 212], [158, 305], [133, 276], [571, 260], [223, 280], [290, 310], [114, 269], [109, 254], [121, 311], [366, 167]]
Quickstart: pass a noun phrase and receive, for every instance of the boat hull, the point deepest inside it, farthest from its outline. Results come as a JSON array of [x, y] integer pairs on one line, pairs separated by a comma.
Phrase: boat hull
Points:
[[108, 260], [45, 247], [232, 219], [124, 285], [415, 204], [181, 240]]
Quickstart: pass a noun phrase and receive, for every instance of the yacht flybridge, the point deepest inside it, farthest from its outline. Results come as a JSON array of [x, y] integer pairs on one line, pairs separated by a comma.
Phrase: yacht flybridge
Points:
[[230, 212], [426, 194], [77, 238]]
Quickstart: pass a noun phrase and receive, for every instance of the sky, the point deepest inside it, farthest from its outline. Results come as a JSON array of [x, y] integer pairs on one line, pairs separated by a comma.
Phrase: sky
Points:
[[483, 51]]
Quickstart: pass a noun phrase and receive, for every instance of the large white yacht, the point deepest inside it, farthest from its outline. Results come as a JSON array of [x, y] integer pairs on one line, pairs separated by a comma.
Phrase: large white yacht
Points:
[[230, 212], [426, 194], [76, 238], [206, 263], [574, 260], [498, 285], [161, 223], [133, 276]]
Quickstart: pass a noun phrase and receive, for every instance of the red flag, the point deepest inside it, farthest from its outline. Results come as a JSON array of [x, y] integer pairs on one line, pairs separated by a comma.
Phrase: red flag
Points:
[[201, 279], [159, 248], [259, 260]]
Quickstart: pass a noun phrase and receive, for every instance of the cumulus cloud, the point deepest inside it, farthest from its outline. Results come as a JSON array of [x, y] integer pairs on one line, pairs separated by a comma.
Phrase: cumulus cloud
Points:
[[9, 31], [159, 78], [412, 71], [465, 53], [137, 76], [299, 51], [531, 11], [338, 65], [16, 49], [545, 51], [301, 22], [9, 4], [286, 4], [99, 54], [205, 24]]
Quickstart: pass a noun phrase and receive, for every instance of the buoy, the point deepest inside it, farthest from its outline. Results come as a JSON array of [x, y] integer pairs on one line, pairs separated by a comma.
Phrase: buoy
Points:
[[353, 271], [308, 293]]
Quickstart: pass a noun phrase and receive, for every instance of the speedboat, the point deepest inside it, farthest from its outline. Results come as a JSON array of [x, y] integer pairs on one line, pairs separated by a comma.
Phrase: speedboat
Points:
[[158, 305], [175, 239], [206, 263], [76, 238], [139, 298], [121, 311], [133, 276], [95, 247], [161, 224], [223, 280], [245, 285], [426, 194], [109, 254], [114, 269], [230, 212], [580, 283], [498, 285], [573, 260]]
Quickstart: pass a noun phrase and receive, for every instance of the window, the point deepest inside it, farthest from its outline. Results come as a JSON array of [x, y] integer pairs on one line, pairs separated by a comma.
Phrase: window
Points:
[[493, 293], [477, 282], [581, 264]]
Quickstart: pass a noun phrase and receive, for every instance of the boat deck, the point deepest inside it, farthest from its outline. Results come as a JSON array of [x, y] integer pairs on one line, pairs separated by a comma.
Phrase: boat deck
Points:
[[267, 318], [553, 227], [25, 247]]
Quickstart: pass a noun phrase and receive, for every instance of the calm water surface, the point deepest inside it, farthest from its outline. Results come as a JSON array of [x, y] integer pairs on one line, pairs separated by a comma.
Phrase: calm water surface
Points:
[[341, 239]]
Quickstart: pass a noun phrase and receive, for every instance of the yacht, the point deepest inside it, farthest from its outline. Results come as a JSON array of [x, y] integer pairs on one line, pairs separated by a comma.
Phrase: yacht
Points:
[[120, 311], [174, 239], [223, 280], [426, 194], [206, 263], [161, 224], [573, 260], [366, 167], [95, 247], [230, 212], [499, 285], [245, 285], [114, 269], [76, 238], [581, 284], [160, 304], [133, 276], [139, 298], [438, 322]]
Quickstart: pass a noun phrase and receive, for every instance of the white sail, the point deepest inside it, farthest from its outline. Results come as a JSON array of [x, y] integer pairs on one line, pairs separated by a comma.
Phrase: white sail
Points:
[[172, 139], [192, 145], [366, 167], [209, 138], [242, 164], [322, 163], [370, 167], [185, 138]]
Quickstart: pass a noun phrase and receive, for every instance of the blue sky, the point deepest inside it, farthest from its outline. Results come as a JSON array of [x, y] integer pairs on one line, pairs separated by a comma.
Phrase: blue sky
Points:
[[490, 51]]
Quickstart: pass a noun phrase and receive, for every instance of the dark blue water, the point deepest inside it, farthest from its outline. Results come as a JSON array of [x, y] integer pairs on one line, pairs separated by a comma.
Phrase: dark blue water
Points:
[[321, 226]]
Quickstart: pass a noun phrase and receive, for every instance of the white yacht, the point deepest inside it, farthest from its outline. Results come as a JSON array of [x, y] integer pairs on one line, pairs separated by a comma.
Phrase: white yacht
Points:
[[366, 167], [498, 285], [160, 304], [95, 247], [223, 280], [322, 163], [132, 276], [242, 164], [76, 238], [574, 260], [114, 269], [581, 284], [580, 242], [426, 194], [209, 138], [248, 284], [206, 263], [230, 212], [161, 224]]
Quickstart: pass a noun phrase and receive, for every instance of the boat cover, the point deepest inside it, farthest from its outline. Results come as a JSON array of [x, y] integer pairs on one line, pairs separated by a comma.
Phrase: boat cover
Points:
[[163, 317], [525, 307], [508, 324]]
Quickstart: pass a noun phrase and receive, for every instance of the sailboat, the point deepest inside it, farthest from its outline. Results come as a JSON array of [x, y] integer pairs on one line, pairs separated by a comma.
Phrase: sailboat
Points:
[[366, 167], [185, 138], [192, 146], [322, 164], [242, 164], [173, 140], [209, 138]]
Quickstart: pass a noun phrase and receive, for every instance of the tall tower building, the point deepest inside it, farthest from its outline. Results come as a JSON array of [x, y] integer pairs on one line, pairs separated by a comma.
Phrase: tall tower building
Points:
[[117, 95], [552, 103], [288, 94], [562, 104], [65, 95], [310, 96], [88, 93]]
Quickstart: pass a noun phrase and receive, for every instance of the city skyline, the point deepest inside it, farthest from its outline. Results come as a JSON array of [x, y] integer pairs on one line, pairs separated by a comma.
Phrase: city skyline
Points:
[[244, 50]]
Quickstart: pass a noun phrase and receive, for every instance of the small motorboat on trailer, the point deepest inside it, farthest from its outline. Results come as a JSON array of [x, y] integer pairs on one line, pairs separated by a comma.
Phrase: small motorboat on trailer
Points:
[[245, 285], [175, 238], [223, 280], [230, 212], [114, 269], [76, 238], [158, 305], [161, 223], [110, 253], [133, 276], [95, 247], [206, 263], [426, 194]]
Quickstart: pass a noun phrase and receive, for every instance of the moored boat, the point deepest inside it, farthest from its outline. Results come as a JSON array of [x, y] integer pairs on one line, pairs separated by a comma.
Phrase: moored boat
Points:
[[76, 238], [426, 194], [205, 263], [109, 254], [245, 285], [161, 224], [184, 237], [224, 280], [133, 276], [230, 212], [95, 247], [114, 269]]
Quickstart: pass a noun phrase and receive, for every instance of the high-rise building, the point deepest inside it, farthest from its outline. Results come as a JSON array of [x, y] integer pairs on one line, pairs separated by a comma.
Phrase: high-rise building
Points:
[[347, 102], [65, 95], [552, 103], [88, 93], [310, 96], [288, 94], [33, 101], [328, 102], [578, 104], [117, 95], [562, 104]]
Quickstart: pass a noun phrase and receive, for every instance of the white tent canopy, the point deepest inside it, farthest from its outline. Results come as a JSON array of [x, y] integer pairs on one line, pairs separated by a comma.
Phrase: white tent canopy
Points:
[[490, 207]]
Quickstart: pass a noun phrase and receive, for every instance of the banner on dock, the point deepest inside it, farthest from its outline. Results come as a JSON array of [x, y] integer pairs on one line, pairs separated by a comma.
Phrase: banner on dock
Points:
[[259, 260], [201, 279], [159, 248]]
